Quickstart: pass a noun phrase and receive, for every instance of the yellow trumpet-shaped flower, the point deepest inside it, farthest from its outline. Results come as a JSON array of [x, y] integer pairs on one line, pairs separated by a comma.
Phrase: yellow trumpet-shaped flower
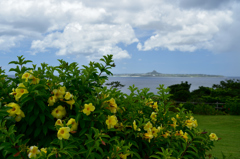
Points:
[[59, 92], [33, 151], [213, 137], [148, 126], [15, 109], [185, 136], [155, 106], [154, 116], [88, 108], [63, 133], [166, 134], [149, 102], [20, 90], [73, 123], [26, 76], [59, 122], [112, 105], [44, 150], [134, 125], [52, 100], [155, 131], [19, 117], [111, 121], [70, 102], [148, 135], [34, 80], [68, 96], [59, 112]]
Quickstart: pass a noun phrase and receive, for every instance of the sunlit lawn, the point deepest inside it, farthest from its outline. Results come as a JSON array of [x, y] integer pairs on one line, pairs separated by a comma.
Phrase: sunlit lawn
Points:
[[226, 127]]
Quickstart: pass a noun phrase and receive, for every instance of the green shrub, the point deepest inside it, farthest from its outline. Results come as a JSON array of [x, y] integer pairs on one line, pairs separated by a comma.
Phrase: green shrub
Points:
[[232, 108], [73, 115]]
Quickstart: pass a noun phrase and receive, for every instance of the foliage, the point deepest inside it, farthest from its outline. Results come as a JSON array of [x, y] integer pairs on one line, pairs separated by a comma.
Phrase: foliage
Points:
[[115, 84], [180, 92], [73, 115]]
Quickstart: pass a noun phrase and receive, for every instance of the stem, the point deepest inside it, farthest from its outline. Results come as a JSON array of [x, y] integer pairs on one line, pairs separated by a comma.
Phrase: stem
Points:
[[15, 147]]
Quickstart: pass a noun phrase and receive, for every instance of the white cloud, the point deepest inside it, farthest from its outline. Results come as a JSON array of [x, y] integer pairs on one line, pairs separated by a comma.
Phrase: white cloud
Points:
[[92, 41], [94, 28]]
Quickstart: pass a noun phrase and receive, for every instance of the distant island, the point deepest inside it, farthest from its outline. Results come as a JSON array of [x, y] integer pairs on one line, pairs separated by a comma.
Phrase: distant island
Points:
[[157, 74]]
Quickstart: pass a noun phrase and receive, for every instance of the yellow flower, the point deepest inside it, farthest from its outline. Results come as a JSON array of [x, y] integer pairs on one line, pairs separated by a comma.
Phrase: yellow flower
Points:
[[134, 125], [33, 151], [166, 135], [88, 108], [153, 116], [70, 102], [155, 106], [19, 117], [44, 150], [59, 112], [15, 109], [148, 126], [52, 100], [13, 92], [68, 96], [149, 102], [179, 133], [174, 125], [112, 105], [20, 90], [59, 122], [148, 135], [59, 92], [26, 76], [111, 121], [160, 128], [73, 123], [213, 137], [173, 119], [155, 131], [185, 136], [34, 80], [119, 126], [123, 156], [63, 133], [189, 124]]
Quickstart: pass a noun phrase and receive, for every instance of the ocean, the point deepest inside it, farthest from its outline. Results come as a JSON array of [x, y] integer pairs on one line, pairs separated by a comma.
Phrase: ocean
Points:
[[153, 82]]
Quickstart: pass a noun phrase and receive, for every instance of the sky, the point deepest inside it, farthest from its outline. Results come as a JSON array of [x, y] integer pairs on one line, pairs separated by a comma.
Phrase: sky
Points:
[[169, 36]]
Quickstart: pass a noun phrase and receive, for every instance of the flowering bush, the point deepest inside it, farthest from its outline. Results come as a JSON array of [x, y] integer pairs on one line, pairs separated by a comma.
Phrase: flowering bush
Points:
[[73, 115]]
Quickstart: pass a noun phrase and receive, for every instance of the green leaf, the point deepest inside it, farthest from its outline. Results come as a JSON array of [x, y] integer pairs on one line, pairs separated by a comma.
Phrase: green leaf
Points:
[[89, 141], [36, 111], [24, 100], [193, 153], [30, 107], [5, 145], [82, 132], [42, 117], [32, 119], [45, 130], [155, 156], [37, 131], [41, 104], [71, 147], [82, 123]]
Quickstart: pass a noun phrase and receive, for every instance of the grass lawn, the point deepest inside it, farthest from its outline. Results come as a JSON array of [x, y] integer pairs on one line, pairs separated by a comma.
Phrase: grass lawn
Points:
[[226, 127]]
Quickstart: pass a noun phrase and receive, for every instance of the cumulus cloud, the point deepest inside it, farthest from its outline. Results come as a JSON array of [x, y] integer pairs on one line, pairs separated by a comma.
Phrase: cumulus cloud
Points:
[[195, 31], [91, 40], [205, 4], [94, 28]]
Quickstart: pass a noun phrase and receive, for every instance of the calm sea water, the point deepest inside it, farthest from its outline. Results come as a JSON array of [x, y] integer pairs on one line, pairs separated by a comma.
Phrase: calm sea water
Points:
[[153, 82]]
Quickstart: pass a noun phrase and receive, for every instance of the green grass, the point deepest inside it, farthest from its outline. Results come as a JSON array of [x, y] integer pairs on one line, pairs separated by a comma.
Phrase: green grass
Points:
[[225, 127]]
